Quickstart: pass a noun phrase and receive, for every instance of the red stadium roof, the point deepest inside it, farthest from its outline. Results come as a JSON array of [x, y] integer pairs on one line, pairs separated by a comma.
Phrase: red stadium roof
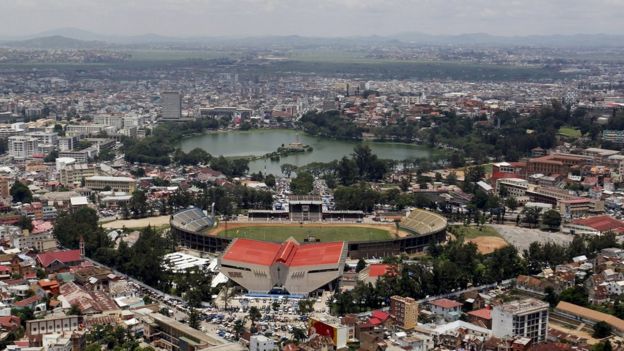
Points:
[[289, 253]]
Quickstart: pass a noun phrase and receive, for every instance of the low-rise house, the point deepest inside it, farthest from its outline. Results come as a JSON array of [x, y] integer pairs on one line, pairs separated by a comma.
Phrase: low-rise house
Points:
[[56, 261], [450, 310]]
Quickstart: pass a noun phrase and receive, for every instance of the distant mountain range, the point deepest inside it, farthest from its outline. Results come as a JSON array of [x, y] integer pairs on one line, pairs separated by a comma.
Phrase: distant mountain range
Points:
[[73, 38], [56, 42]]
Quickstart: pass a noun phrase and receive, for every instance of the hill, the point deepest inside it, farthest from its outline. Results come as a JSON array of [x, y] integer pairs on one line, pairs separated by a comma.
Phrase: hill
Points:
[[55, 42]]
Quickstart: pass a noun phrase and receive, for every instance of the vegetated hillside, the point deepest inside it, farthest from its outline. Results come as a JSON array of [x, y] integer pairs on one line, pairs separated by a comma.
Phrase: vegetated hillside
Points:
[[56, 42]]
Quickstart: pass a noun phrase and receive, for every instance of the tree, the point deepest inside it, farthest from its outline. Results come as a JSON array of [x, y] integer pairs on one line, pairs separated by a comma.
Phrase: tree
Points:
[[51, 157], [254, 314], [227, 292], [347, 171], [25, 222], [299, 334], [361, 264], [138, 203], [551, 219], [601, 330], [405, 184], [302, 184], [239, 327], [83, 222], [269, 180], [74, 310], [551, 297], [287, 169], [194, 321], [511, 203], [575, 295], [602, 346], [20, 192], [531, 215], [474, 174], [59, 130], [106, 155], [306, 306]]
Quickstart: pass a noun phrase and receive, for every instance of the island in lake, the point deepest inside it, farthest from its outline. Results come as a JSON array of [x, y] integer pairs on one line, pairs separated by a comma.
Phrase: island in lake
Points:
[[289, 149]]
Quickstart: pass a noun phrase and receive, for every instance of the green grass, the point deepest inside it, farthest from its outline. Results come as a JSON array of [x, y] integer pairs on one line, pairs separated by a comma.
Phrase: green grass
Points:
[[323, 233], [473, 232], [570, 132]]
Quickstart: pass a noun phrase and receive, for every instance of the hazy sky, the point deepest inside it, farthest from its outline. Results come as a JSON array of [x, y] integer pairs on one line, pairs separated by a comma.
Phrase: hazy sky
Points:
[[313, 17]]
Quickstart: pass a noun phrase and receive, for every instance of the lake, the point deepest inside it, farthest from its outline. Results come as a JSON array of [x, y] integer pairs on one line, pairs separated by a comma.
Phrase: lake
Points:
[[262, 141]]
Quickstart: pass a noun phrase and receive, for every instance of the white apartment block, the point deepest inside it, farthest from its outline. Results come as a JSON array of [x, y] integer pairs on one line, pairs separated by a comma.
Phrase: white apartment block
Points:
[[109, 120], [261, 343], [522, 318], [22, 147], [44, 137]]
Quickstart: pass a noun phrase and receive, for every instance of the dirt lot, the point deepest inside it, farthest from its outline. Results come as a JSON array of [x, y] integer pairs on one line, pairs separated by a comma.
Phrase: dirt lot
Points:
[[391, 228], [521, 238], [138, 223], [488, 244]]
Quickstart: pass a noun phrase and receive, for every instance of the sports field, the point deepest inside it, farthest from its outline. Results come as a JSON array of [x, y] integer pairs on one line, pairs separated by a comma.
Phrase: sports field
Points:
[[570, 132], [486, 238], [321, 232]]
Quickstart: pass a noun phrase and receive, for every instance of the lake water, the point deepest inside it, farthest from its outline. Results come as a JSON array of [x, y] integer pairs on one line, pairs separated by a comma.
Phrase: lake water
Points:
[[263, 141]]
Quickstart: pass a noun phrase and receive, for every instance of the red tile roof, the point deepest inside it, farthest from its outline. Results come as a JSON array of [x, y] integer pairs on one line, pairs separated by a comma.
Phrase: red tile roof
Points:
[[484, 313], [46, 259], [289, 253], [379, 269], [601, 223], [27, 301], [445, 303], [381, 315], [10, 322]]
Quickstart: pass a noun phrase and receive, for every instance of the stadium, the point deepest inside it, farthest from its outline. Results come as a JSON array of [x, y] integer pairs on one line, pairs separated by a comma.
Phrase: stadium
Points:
[[195, 230], [274, 264]]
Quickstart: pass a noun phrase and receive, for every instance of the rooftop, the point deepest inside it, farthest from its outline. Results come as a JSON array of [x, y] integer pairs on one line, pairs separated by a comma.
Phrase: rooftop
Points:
[[601, 223], [289, 253], [522, 306], [446, 303], [594, 315], [45, 259], [484, 313], [111, 179]]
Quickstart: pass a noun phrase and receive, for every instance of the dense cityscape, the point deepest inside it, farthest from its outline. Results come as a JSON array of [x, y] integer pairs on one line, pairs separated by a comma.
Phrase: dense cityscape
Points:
[[383, 192]]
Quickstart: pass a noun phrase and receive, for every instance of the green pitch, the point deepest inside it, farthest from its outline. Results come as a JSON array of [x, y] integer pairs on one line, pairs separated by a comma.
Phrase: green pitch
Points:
[[323, 233]]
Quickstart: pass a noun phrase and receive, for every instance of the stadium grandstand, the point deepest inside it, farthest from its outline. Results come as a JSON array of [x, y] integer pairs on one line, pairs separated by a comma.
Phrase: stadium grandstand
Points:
[[421, 222], [287, 268], [192, 219], [305, 208], [191, 227]]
